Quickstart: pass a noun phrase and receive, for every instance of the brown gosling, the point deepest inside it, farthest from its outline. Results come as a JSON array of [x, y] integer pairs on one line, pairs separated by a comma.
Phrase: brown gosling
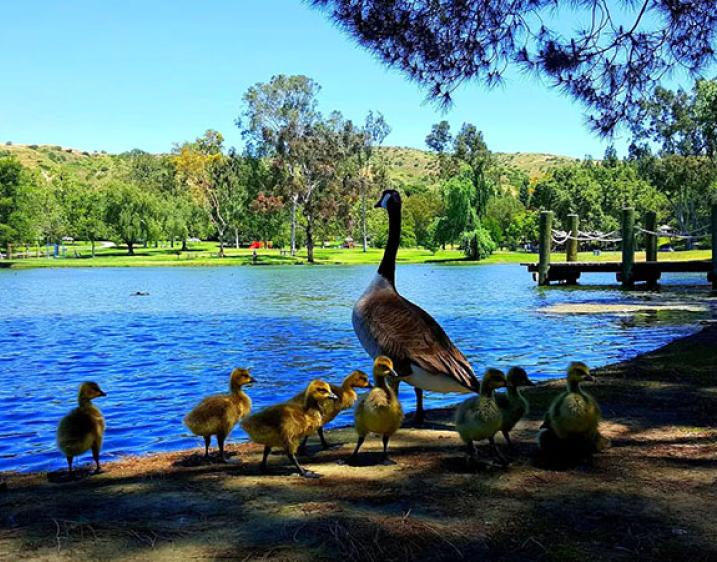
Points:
[[285, 425], [513, 405], [83, 428], [347, 397], [379, 410], [218, 414]]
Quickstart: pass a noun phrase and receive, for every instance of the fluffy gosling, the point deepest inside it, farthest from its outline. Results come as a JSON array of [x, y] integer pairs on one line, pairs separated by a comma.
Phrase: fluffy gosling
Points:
[[83, 428], [218, 414]]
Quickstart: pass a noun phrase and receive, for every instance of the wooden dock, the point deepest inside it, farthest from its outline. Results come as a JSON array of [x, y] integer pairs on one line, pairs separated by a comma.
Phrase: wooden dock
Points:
[[628, 271], [648, 272]]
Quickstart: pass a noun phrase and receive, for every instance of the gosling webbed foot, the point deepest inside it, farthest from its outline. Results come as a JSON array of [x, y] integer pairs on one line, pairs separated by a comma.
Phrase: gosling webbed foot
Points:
[[310, 474], [388, 462]]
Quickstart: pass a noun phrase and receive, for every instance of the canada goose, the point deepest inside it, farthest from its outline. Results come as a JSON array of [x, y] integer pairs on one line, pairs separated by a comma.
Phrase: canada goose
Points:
[[83, 428], [388, 324], [513, 405], [346, 398], [571, 423], [218, 414], [378, 411], [285, 425], [479, 417]]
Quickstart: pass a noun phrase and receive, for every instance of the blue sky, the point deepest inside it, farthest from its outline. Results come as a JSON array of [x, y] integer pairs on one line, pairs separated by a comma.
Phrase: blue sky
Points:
[[120, 75]]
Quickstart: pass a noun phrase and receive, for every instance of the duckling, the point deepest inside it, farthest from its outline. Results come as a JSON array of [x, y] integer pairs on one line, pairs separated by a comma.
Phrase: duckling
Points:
[[83, 428], [513, 405], [379, 410], [285, 425], [218, 414], [479, 417], [347, 397], [571, 423]]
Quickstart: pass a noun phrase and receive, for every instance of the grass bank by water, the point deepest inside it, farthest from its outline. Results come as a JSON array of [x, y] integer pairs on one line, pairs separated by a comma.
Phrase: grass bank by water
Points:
[[652, 496], [206, 254]]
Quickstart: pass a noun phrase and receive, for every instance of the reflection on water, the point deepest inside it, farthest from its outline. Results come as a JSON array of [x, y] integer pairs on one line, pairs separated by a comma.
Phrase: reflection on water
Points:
[[157, 355]]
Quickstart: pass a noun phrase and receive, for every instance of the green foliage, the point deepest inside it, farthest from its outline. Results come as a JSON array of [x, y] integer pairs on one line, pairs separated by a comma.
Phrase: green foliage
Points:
[[477, 243]]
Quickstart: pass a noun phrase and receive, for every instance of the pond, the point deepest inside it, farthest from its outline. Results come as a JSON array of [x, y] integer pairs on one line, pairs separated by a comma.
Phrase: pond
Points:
[[157, 355]]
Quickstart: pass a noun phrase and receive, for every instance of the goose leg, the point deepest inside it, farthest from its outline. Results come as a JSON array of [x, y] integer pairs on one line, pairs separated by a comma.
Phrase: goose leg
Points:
[[324, 443], [354, 455], [506, 436], [302, 447], [220, 441], [207, 440], [497, 452], [386, 461], [419, 417], [263, 467], [302, 471], [96, 457]]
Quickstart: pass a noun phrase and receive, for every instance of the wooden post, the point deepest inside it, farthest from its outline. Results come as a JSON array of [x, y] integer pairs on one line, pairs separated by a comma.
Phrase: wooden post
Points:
[[571, 244], [546, 237], [714, 247], [628, 247], [651, 239]]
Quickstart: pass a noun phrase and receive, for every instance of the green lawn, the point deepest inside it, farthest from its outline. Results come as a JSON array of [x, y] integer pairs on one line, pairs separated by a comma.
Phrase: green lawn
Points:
[[206, 254]]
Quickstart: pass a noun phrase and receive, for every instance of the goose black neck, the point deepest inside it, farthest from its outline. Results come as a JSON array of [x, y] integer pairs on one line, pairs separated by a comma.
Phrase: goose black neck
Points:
[[387, 269]]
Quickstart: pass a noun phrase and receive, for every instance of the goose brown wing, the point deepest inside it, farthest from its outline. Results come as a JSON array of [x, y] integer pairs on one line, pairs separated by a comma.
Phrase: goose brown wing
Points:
[[408, 334]]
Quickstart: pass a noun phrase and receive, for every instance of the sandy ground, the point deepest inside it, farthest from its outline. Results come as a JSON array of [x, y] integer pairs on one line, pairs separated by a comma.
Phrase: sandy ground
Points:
[[652, 496]]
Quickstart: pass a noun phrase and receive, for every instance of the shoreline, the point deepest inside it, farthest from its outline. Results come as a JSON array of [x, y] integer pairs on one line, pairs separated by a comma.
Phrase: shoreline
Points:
[[652, 495]]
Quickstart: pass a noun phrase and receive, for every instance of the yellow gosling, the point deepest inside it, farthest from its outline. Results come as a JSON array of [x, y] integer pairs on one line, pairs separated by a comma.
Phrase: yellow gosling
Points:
[[513, 405], [285, 425], [83, 428], [379, 410], [346, 398], [571, 423], [479, 417], [218, 414]]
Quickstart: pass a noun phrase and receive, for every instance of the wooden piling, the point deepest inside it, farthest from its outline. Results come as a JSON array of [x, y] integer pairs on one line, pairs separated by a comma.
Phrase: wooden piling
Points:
[[628, 247], [571, 245], [714, 247], [546, 238], [651, 239]]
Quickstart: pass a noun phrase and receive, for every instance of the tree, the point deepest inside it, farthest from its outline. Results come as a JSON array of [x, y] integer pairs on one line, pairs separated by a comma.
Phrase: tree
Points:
[[373, 133], [459, 214], [130, 213], [612, 56], [266, 211], [276, 115], [224, 196], [679, 122], [16, 204]]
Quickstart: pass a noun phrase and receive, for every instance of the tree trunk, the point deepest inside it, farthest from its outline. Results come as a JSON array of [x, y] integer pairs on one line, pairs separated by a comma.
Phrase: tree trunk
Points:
[[236, 238], [130, 248], [309, 241], [184, 245], [294, 201], [92, 243], [221, 244], [171, 242], [363, 215]]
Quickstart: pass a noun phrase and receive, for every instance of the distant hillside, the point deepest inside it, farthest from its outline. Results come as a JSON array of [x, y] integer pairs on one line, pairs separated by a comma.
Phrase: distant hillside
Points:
[[406, 166], [412, 166]]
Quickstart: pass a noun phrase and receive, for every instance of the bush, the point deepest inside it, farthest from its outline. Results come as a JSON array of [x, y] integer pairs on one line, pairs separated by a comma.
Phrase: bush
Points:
[[8, 143], [477, 244], [33, 147]]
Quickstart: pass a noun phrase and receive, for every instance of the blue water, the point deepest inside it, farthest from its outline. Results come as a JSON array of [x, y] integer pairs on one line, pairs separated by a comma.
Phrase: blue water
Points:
[[157, 355]]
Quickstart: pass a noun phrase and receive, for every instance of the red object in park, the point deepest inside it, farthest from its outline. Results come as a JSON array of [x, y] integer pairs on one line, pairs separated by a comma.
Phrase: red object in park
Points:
[[255, 245]]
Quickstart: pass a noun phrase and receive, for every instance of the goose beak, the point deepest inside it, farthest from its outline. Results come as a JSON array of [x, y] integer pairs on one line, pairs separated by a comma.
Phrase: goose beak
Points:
[[377, 205]]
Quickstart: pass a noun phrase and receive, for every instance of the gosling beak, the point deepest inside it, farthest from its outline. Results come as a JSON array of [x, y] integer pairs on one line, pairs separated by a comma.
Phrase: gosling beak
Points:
[[369, 385], [393, 373], [332, 396], [102, 393], [588, 378], [529, 383], [252, 380]]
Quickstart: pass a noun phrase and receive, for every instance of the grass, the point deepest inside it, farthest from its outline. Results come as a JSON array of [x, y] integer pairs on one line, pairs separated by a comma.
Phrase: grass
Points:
[[206, 254]]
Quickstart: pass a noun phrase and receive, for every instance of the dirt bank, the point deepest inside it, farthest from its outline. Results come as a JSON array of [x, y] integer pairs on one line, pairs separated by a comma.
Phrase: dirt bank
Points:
[[653, 495]]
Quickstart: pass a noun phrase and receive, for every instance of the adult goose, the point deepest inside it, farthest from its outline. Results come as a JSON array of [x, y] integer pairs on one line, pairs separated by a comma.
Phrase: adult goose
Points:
[[388, 324]]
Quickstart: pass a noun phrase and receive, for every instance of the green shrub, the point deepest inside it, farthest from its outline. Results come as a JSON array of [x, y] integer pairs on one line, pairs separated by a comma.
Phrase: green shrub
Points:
[[477, 244]]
